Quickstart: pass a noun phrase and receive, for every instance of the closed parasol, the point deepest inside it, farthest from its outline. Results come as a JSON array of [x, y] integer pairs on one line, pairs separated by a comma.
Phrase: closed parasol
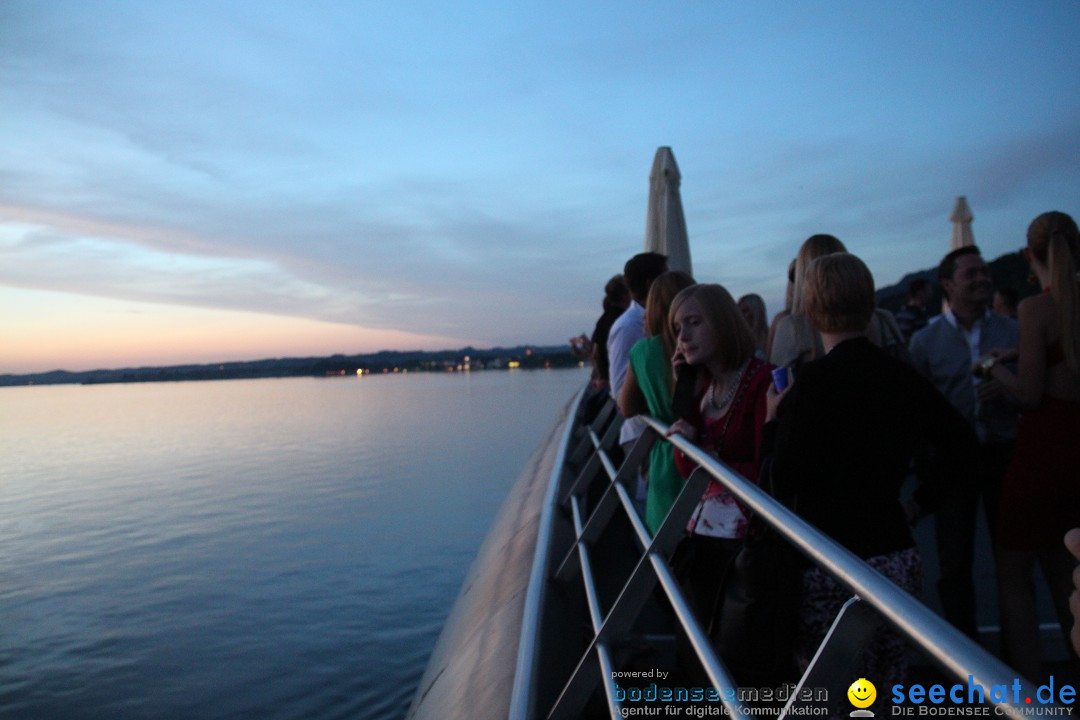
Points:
[[961, 219], [665, 224]]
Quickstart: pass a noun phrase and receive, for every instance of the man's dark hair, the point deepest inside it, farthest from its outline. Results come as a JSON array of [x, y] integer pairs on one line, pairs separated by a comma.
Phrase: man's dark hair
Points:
[[947, 267], [616, 294], [641, 270], [916, 286], [1011, 296]]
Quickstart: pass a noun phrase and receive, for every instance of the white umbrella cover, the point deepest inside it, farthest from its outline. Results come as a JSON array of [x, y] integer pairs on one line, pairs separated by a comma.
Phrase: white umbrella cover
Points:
[[665, 224], [961, 219]]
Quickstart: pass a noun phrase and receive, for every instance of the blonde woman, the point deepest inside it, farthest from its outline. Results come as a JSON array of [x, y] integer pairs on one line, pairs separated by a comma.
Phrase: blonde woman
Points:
[[1041, 493], [752, 308], [789, 295], [714, 341], [795, 341]]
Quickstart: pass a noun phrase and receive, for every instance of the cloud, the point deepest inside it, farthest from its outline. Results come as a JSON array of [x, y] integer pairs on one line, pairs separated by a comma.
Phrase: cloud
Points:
[[480, 172], [443, 278]]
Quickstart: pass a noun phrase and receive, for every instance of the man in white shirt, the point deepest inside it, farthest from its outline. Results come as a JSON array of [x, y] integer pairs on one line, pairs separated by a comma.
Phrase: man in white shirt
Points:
[[639, 272], [945, 352]]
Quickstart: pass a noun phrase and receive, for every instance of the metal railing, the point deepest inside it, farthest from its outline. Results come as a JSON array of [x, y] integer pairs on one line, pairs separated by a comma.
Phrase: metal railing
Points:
[[596, 491]]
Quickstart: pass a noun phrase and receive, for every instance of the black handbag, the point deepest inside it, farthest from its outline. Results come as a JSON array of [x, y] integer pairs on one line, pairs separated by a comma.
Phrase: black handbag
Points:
[[754, 622]]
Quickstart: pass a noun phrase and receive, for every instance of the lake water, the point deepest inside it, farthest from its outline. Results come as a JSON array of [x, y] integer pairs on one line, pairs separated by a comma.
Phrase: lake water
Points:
[[247, 549]]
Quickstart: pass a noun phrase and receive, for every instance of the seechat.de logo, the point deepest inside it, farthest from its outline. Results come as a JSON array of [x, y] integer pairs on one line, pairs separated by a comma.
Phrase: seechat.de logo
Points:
[[862, 695]]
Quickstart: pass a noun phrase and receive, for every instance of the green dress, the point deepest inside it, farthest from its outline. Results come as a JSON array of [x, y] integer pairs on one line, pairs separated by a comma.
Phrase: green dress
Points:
[[652, 372]]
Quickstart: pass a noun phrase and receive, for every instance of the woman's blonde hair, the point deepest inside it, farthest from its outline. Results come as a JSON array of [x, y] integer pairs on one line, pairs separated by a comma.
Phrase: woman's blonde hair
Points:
[[735, 342], [754, 306], [839, 293], [789, 290], [663, 291], [1053, 240], [813, 247]]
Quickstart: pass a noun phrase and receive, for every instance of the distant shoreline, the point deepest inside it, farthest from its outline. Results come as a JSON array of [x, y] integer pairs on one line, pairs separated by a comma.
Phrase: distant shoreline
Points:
[[384, 362], [1009, 270]]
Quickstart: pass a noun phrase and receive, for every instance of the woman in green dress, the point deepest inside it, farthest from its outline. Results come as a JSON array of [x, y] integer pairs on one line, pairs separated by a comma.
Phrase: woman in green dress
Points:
[[648, 389]]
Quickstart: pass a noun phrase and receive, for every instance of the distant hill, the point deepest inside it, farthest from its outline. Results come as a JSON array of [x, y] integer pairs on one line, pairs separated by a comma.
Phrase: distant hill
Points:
[[386, 361], [1009, 270]]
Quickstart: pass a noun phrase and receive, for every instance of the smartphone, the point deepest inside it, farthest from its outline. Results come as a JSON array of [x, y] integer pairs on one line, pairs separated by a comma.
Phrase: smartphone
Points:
[[781, 378], [684, 401]]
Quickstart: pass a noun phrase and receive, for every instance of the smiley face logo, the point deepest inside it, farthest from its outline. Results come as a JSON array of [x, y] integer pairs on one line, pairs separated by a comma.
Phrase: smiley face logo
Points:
[[862, 693]]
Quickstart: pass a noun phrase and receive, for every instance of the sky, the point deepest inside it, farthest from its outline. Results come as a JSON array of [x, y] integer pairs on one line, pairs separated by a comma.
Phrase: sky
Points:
[[210, 181]]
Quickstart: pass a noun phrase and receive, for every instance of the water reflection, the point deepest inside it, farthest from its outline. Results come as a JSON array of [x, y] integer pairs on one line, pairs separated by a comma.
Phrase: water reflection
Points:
[[267, 548]]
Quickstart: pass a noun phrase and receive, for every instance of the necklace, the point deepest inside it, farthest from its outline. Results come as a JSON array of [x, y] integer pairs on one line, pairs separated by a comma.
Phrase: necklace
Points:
[[732, 387]]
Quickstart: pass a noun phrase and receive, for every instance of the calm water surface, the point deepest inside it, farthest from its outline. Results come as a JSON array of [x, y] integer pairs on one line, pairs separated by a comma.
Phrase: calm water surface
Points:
[[248, 549]]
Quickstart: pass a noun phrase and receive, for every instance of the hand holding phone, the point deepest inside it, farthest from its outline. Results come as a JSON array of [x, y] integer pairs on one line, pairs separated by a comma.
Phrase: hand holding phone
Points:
[[775, 394], [684, 400]]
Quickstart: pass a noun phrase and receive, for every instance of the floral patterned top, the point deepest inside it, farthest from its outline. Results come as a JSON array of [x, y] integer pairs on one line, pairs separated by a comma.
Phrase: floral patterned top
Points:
[[735, 441]]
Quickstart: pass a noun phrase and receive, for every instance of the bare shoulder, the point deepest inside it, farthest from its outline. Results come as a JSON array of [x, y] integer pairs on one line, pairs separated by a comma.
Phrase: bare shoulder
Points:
[[1037, 309], [1037, 316], [1041, 301]]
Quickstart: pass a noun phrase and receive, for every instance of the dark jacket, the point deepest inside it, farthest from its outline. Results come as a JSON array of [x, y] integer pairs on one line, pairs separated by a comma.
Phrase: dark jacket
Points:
[[844, 438]]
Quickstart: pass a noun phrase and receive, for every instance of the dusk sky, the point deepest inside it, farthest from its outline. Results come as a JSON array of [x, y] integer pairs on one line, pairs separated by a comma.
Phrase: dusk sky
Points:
[[209, 181]]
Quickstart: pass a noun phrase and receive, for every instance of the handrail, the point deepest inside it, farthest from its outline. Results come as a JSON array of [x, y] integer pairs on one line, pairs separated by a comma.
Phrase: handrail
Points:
[[954, 652], [525, 675]]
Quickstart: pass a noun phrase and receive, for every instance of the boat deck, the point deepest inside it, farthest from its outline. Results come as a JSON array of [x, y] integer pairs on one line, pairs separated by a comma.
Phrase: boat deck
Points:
[[571, 603]]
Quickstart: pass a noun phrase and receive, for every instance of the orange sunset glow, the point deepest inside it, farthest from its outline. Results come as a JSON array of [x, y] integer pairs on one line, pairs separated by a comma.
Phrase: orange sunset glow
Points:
[[56, 331]]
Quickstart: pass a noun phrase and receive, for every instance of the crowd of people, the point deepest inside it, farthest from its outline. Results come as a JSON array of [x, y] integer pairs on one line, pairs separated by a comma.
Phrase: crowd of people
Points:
[[977, 406]]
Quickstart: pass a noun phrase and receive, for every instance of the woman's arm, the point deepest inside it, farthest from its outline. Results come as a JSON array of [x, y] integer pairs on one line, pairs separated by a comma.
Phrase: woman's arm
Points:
[[683, 427], [772, 333], [631, 400], [782, 346], [1027, 385]]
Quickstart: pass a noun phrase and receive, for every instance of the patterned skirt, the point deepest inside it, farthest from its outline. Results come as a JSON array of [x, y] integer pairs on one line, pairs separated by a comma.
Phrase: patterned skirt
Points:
[[884, 658]]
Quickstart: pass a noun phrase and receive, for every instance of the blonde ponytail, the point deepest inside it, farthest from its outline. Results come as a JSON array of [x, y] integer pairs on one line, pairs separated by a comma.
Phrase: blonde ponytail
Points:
[[1054, 240], [1066, 291], [812, 248]]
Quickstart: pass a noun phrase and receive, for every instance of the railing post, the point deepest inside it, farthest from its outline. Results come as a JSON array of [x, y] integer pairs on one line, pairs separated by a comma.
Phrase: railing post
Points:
[[835, 663], [606, 418], [609, 501], [650, 569]]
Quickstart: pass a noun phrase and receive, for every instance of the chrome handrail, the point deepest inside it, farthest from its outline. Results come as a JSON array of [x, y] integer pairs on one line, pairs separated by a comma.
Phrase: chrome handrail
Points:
[[953, 651], [523, 692]]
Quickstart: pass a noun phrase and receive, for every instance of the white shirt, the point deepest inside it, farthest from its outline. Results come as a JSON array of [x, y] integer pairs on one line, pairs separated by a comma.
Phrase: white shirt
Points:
[[625, 331], [973, 338]]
